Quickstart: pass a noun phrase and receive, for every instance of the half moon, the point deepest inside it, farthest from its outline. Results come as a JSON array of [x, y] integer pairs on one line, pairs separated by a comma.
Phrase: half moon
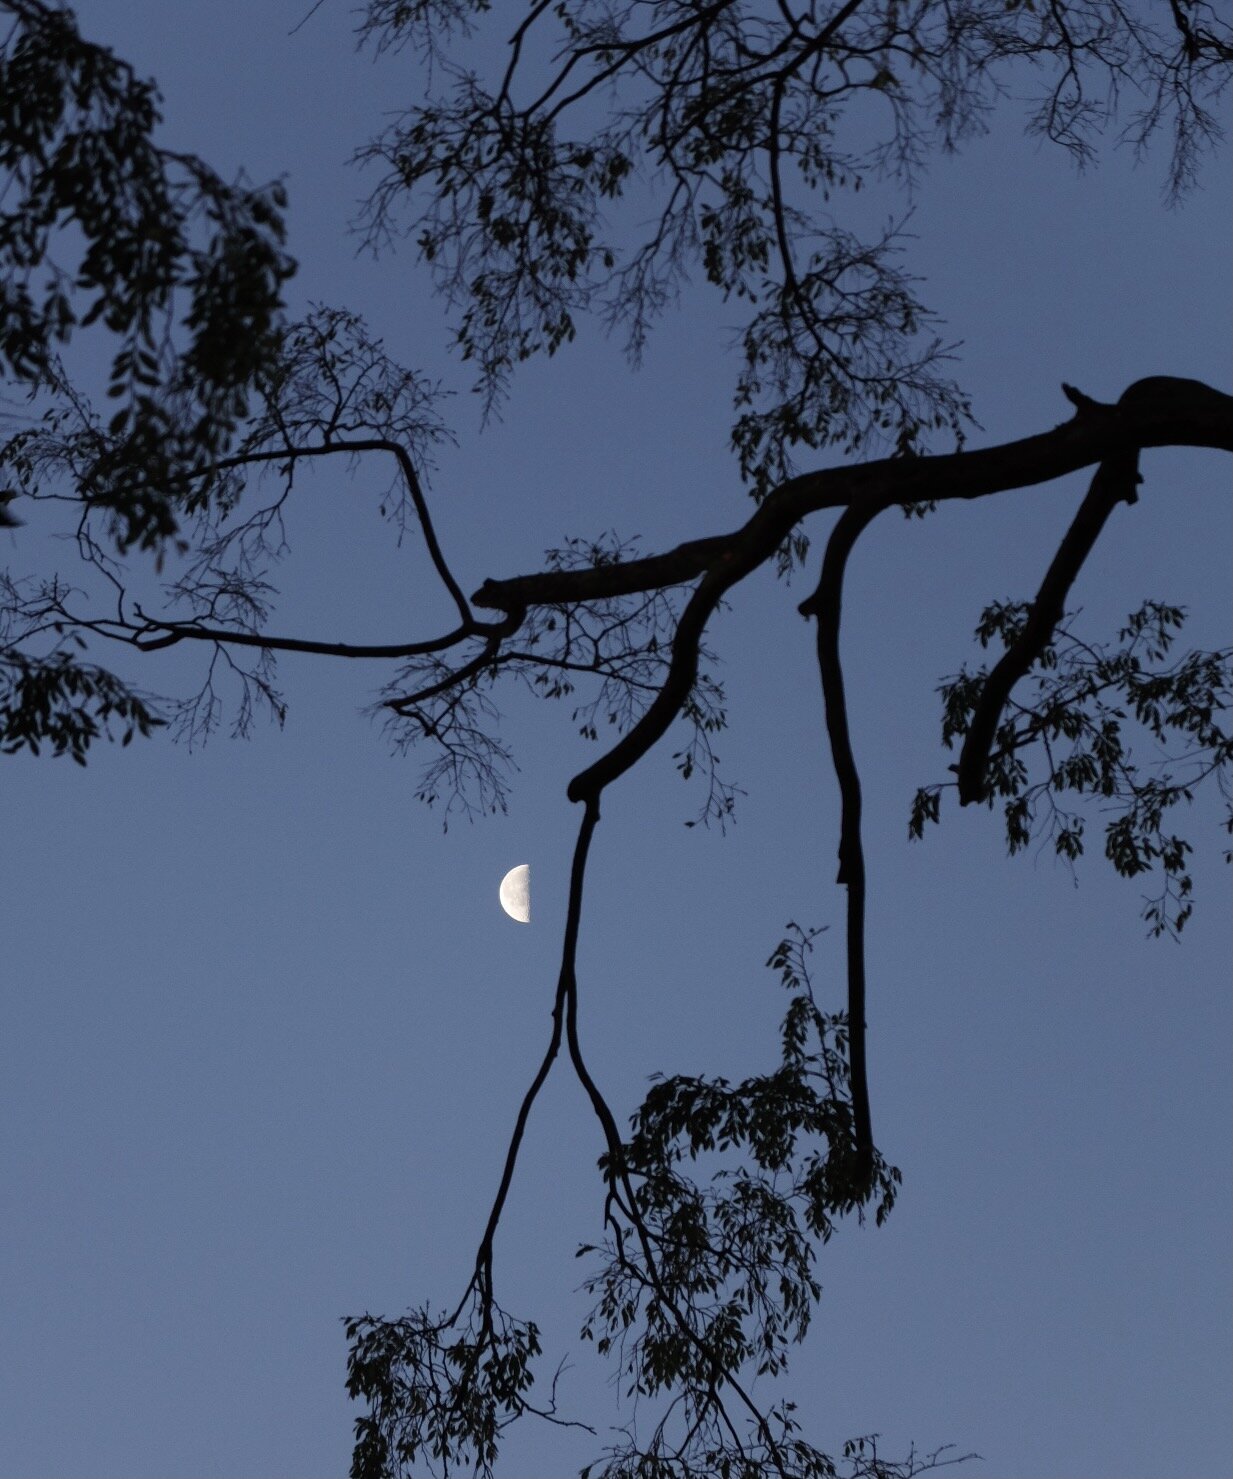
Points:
[[515, 893]]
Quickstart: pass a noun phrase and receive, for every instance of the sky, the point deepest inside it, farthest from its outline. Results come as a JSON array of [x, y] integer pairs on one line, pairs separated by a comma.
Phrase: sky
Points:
[[266, 1026]]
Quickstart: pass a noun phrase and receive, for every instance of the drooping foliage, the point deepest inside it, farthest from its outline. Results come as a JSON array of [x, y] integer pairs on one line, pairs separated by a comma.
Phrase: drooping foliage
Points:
[[1075, 726], [702, 1283], [184, 271], [102, 229]]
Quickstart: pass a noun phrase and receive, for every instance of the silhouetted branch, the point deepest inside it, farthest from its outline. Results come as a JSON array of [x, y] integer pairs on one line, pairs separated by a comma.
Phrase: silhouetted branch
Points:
[[178, 631], [1156, 412], [1115, 481], [826, 605], [353, 447], [1160, 411]]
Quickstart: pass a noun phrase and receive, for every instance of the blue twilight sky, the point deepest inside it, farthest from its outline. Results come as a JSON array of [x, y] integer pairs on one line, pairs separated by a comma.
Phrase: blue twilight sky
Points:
[[265, 1026]]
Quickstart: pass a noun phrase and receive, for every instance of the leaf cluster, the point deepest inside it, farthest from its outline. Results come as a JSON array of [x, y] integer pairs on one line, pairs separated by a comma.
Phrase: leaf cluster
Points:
[[703, 1279], [66, 705], [781, 1452], [697, 1281], [623, 147], [437, 1392], [184, 270], [1071, 735]]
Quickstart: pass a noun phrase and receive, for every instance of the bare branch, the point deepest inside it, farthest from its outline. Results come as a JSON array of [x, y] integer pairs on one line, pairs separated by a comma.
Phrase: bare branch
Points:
[[826, 605]]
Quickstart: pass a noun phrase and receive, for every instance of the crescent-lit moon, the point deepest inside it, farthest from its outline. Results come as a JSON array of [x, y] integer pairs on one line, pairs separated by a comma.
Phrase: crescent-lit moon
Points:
[[515, 893]]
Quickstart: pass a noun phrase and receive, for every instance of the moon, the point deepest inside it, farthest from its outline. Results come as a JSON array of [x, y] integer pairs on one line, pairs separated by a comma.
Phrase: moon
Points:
[[515, 893]]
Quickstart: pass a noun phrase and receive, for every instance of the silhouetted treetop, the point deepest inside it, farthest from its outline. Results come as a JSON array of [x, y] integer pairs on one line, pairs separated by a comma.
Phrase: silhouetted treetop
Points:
[[528, 174]]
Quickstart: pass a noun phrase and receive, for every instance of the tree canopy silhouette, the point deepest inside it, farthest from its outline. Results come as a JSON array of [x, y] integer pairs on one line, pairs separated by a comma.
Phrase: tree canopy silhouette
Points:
[[589, 166]]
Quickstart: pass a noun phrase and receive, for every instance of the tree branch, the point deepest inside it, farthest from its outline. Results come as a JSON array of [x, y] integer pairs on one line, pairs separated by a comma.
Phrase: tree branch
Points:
[[1115, 481], [1156, 412], [176, 631], [826, 605], [410, 477], [1161, 411]]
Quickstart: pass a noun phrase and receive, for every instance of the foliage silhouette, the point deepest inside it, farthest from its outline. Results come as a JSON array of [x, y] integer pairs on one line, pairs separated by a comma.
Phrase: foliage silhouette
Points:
[[736, 131]]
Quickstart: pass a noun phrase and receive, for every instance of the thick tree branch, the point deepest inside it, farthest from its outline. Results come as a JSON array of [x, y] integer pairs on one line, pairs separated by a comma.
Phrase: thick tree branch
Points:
[[1157, 412], [1151, 413], [1116, 481], [1161, 411]]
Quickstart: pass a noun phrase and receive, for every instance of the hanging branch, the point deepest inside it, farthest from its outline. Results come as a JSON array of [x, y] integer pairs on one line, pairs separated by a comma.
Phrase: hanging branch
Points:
[[826, 604], [1115, 481], [564, 999]]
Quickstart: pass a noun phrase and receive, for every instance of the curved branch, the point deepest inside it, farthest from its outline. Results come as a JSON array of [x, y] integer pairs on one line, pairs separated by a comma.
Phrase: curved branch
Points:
[[410, 478], [1115, 481], [1160, 411], [175, 631], [733, 565], [1155, 412], [566, 986]]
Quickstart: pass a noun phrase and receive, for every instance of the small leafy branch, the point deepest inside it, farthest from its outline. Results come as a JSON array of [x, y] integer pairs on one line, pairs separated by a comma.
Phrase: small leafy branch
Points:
[[700, 1284], [439, 1389], [1069, 736]]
